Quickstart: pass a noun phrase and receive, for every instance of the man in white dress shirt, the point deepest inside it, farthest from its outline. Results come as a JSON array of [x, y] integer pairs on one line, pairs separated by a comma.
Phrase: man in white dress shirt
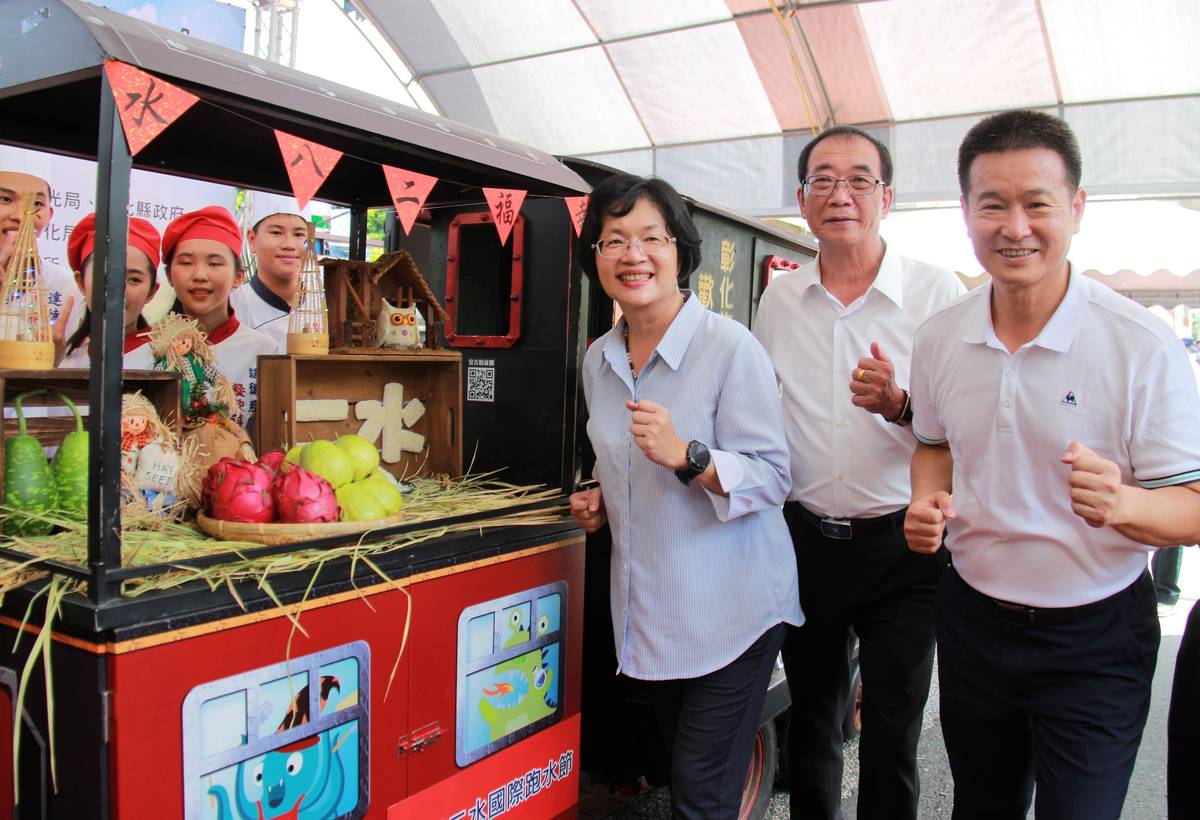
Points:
[[839, 332], [1063, 418]]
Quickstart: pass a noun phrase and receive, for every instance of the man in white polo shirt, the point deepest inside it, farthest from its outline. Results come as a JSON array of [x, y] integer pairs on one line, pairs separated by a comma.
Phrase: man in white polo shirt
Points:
[[839, 332], [1066, 416]]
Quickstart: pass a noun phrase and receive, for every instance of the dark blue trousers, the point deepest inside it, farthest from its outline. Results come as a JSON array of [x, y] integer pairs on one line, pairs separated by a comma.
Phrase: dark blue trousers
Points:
[[709, 724], [1061, 705]]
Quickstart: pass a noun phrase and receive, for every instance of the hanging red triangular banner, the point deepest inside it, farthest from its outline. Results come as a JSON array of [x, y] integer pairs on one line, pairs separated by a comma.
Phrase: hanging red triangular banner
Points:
[[308, 164], [146, 104], [408, 190], [505, 205], [577, 208]]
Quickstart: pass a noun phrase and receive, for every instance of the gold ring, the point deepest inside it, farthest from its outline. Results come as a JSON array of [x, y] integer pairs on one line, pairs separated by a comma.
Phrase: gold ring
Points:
[[858, 374]]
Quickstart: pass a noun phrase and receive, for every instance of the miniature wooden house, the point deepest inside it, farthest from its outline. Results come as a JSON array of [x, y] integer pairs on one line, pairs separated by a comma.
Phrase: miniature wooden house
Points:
[[354, 291]]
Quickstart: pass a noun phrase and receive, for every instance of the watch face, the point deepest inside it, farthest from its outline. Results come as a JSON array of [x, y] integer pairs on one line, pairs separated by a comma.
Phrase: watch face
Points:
[[698, 456]]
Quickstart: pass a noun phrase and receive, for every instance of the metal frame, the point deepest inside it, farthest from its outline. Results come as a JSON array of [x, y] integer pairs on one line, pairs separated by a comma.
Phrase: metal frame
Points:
[[516, 286]]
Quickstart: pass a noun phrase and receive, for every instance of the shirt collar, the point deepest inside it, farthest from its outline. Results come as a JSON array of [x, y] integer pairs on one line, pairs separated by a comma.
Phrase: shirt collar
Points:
[[1058, 333], [224, 330], [674, 343], [889, 281], [269, 296]]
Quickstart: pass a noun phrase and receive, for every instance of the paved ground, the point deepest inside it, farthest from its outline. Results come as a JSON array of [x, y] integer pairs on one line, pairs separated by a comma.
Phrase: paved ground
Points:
[[1147, 790]]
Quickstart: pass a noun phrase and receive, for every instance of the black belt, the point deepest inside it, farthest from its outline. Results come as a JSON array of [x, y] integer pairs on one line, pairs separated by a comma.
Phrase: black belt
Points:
[[1021, 615], [847, 529]]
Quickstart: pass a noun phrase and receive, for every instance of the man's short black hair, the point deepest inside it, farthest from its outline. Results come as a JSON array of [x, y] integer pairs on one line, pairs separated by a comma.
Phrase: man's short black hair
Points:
[[617, 196], [1018, 131], [885, 156]]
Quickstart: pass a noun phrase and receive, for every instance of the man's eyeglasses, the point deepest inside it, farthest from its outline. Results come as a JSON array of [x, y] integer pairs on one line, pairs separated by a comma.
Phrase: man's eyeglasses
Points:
[[649, 245], [857, 185]]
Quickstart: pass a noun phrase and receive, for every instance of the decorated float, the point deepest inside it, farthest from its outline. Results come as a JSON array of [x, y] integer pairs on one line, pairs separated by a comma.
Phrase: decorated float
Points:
[[266, 636]]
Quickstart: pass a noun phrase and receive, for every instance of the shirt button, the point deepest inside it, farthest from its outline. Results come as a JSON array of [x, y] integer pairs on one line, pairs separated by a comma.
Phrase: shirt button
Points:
[[1009, 372], [1008, 402]]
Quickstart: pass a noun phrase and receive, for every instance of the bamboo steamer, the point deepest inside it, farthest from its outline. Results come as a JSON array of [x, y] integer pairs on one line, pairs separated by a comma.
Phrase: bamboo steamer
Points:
[[289, 533]]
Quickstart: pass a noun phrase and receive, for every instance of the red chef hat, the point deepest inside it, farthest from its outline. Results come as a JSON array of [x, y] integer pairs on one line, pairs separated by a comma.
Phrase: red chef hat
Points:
[[142, 235], [213, 222]]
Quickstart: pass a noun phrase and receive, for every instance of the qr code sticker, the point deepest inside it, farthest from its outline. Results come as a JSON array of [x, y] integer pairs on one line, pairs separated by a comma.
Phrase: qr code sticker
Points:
[[481, 384]]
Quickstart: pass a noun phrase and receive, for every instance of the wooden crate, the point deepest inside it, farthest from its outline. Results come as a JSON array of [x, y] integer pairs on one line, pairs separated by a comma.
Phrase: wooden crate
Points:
[[162, 389], [434, 377]]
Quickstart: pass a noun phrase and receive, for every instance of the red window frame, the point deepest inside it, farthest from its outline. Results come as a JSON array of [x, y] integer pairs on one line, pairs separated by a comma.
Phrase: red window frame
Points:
[[516, 291]]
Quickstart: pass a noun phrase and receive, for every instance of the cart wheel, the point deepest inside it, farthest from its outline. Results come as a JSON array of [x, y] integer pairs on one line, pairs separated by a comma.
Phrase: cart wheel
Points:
[[756, 793], [852, 722]]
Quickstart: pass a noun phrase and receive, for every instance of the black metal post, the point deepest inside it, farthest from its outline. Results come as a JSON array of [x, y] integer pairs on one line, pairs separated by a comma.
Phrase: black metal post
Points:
[[358, 232], [113, 164]]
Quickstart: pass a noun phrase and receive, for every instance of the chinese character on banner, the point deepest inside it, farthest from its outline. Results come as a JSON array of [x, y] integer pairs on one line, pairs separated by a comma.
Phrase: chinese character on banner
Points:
[[146, 104], [505, 205], [308, 164], [704, 289], [408, 190], [727, 254], [726, 295], [577, 207]]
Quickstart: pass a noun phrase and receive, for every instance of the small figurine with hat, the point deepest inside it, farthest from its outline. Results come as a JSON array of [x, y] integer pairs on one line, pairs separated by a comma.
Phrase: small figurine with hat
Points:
[[203, 254], [141, 283], [180, 346]]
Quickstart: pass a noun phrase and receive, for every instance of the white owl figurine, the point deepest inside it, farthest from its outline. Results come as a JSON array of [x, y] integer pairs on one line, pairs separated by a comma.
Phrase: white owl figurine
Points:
[[399, 327]]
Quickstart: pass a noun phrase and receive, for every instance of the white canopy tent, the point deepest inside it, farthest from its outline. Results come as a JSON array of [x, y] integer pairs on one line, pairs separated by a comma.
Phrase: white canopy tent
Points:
[[718, 96]]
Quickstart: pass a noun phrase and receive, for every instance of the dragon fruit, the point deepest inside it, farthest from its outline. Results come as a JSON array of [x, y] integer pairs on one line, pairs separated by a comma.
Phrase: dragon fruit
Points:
[[303, 497], [272, 461], [239, 490]]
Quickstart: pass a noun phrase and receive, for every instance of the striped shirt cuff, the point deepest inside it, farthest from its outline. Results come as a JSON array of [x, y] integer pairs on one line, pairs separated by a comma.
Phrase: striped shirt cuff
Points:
[[1170, 480]]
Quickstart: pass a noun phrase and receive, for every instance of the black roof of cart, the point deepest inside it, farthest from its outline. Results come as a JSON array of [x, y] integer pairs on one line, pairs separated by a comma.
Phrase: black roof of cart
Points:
[[52, 53]]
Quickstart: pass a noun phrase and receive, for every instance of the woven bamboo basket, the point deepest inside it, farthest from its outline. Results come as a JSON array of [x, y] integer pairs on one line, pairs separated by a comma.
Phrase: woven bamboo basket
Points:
[[288, 533]]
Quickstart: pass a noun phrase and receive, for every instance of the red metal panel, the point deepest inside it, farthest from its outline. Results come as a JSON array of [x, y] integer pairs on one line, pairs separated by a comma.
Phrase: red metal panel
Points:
[[149, 687], [436, 607]]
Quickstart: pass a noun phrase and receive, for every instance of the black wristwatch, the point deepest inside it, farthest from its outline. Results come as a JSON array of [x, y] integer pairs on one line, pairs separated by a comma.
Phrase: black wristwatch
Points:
[[906, 413], [698, 459]]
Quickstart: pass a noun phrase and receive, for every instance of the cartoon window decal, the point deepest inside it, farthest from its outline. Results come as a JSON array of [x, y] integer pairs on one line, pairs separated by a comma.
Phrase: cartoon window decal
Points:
[[509, 676], [287, 740]]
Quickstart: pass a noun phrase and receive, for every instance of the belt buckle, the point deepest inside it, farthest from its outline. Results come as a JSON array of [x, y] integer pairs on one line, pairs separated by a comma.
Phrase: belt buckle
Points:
[[838, 529]]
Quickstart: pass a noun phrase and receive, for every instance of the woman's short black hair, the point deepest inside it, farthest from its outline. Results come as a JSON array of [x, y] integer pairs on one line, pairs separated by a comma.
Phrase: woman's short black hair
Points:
[[617, 196]]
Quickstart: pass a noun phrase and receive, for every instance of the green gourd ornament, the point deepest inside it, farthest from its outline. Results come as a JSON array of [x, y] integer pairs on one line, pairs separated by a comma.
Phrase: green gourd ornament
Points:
[[28, 482], [70, 468]]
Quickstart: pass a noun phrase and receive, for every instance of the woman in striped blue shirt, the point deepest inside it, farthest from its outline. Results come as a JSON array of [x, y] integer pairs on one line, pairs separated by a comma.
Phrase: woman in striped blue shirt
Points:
[[692, 463]]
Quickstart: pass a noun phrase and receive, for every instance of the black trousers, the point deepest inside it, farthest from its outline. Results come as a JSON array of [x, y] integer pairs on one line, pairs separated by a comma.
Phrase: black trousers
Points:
[[884, 592], [709, 724], [1062, 705], [1183, 727]]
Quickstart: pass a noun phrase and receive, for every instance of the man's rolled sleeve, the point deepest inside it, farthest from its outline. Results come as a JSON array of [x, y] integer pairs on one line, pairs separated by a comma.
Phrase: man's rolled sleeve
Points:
[[926, 425], [1165, 446]]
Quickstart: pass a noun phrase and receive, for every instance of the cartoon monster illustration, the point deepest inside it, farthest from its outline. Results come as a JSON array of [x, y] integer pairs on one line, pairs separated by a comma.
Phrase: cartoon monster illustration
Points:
[[297, 713], [523, 691], [301, 781], [518, 631]]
